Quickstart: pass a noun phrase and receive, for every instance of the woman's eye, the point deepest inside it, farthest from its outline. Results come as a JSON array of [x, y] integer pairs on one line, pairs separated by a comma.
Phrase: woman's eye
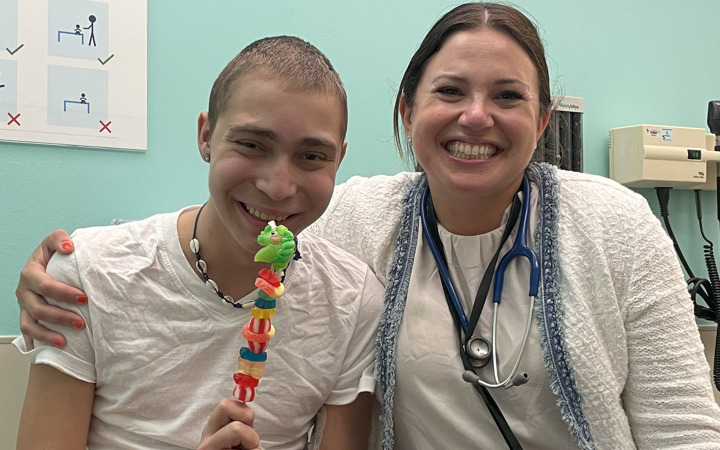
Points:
[[448, 90], [510, 96]]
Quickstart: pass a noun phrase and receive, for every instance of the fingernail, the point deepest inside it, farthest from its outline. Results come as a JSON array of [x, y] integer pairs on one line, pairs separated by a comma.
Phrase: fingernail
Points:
[[67, 245], [57, 343], [78, 324], [81, 299]]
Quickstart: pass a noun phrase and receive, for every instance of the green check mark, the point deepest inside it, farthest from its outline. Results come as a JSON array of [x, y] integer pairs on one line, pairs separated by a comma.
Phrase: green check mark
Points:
[[12, 52], [108, 59]]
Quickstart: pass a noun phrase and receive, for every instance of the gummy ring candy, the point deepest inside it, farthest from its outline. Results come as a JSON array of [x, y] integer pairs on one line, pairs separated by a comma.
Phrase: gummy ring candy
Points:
[[245, 380], [262, 313], [254, 369], [246, 353], [254, 337], [269, 276], [265, 304]]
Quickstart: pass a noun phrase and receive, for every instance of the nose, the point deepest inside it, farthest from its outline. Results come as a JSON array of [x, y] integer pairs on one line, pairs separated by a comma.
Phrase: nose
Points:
[[277, 179], [476, 114]]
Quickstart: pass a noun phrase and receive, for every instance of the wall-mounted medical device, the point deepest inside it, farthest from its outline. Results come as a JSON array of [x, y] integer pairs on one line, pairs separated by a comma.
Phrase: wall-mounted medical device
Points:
[[648, 156], [562, 142]]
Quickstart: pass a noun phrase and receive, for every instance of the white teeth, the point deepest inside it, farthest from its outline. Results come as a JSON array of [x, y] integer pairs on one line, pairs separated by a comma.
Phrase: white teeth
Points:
[[467, 151], [264, 216]]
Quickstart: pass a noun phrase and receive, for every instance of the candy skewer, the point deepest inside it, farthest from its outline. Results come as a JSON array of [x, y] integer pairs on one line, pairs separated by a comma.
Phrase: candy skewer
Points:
[[278, 249]]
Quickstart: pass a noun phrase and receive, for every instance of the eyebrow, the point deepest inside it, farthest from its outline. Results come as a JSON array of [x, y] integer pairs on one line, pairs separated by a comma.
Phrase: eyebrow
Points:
[[503, 81], [262, 132], [269, 134], [459, 79], [447, 77]]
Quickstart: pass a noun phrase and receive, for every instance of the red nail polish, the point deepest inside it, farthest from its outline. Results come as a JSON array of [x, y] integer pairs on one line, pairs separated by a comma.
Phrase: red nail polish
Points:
[[81, 299], [67, 245], [78, 324], [57, 343]]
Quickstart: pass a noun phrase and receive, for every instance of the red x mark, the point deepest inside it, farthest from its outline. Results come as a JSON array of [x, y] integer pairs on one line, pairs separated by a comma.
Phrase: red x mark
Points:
[[13, 119], [105, 126]]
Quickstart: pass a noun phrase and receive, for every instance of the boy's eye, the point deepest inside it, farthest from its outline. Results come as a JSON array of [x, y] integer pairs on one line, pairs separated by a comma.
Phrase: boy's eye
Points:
[[247, 144], [314, 157]]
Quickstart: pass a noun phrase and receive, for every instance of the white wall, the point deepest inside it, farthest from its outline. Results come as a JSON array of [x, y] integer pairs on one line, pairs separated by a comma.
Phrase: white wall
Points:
[[13, 381]]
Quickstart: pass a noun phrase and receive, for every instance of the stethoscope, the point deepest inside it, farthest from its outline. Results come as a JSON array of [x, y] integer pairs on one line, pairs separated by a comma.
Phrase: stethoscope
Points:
[[478, 348]]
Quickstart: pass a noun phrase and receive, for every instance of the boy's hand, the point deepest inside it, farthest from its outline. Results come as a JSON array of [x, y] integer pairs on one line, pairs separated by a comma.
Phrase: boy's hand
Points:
[[35, 284], [230, 426]]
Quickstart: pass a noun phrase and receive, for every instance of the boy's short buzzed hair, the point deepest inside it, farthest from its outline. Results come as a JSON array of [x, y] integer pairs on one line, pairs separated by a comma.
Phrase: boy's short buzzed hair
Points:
[[292, 60]]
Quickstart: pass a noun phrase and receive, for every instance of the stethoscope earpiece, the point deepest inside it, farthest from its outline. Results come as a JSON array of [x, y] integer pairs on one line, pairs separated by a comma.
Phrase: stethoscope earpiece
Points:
[[518, 380]]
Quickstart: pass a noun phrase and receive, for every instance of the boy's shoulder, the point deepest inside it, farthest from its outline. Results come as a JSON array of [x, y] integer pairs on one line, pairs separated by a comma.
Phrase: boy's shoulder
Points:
[[124, 239], [122, 227]]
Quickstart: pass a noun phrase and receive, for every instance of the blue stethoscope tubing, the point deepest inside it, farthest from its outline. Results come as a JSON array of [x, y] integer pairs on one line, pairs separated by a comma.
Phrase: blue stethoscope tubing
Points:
[[520, 249]]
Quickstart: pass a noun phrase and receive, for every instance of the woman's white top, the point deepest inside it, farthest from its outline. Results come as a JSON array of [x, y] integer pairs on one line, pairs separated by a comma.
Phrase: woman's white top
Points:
[[433, 405]]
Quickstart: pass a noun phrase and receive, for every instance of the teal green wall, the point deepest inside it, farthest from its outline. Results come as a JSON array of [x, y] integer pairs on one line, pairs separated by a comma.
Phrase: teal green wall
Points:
[[633, 61]]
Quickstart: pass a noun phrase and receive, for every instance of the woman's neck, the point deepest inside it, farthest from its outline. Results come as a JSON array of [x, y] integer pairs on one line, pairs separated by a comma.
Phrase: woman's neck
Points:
[[472, 215]]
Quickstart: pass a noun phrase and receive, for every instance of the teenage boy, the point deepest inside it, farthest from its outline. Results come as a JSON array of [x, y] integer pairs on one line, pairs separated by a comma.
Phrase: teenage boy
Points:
[[159, 349]]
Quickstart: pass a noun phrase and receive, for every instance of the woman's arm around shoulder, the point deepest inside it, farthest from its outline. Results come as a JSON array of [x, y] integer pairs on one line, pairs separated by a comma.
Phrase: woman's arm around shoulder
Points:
[[35, 285]]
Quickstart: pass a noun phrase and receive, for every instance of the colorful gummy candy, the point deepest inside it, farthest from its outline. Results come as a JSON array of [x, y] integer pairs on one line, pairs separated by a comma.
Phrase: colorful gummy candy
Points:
[[278, 249]]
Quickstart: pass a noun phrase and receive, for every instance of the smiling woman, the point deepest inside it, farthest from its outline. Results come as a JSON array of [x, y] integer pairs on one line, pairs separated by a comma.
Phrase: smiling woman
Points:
[[460, 107], [473, 103]]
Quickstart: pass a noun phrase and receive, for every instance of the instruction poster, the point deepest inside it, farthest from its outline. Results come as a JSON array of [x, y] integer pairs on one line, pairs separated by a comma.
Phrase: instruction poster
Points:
[[74, 72]]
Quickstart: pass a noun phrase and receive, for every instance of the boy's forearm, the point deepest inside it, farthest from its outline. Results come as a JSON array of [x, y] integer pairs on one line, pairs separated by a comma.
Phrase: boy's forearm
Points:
[[348, 426], [57, 410]]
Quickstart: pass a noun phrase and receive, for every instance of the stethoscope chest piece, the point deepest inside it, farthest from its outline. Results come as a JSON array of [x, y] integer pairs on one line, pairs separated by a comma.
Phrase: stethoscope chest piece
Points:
[[479, 350]]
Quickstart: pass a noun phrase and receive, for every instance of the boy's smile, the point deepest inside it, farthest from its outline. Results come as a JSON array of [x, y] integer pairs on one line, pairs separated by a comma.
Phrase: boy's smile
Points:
[[274, 155]]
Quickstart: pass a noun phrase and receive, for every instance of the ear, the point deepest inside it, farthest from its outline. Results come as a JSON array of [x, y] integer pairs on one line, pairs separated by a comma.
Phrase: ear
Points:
[[542, 124], [203, 134], [342, 153], [406, 113]]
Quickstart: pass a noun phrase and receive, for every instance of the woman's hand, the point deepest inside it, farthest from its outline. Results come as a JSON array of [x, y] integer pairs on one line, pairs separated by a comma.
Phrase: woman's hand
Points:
[[230, 426], [35, 285]]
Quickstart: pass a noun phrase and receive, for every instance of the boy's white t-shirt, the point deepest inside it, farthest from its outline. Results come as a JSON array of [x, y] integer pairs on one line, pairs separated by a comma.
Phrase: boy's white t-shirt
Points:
[[162, 348]]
